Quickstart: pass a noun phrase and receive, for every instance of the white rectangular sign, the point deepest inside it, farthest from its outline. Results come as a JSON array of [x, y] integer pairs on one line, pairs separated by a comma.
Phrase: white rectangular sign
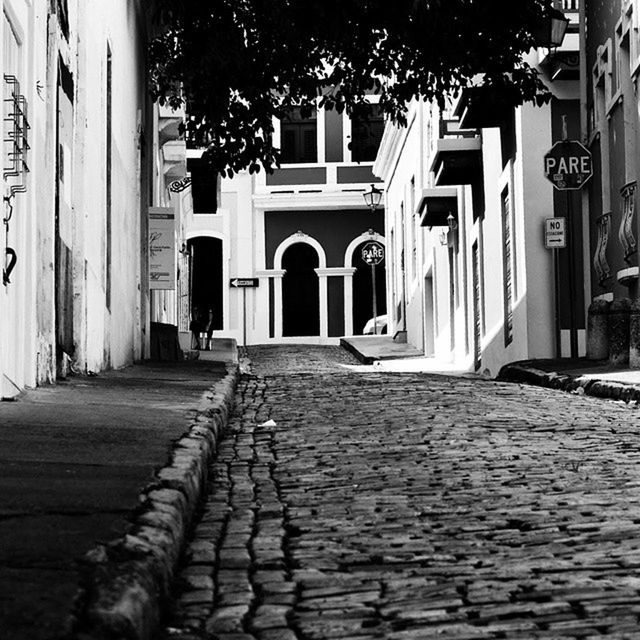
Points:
[[162, 248], [555, 233]]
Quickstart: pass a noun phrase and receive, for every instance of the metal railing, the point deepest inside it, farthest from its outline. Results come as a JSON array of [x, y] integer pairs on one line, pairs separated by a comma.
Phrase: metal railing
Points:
[[568, 5]]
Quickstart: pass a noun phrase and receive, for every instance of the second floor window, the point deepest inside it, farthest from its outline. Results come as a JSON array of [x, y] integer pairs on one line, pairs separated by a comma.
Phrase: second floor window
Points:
[[366, 134], [298, 138]]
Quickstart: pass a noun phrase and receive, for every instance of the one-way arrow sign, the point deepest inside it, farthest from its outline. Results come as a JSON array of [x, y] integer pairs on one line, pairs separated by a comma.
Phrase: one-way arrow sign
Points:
[[244, 282]]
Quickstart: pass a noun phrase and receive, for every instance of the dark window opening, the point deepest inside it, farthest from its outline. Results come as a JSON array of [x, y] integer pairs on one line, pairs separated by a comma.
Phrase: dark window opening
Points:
[[108, 149], [298, 138], [204, 186], [366, 134], [63, 18], [508, 137]]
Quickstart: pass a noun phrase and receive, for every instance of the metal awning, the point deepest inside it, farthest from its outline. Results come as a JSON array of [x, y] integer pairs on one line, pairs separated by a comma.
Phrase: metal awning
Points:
[[457, 161], [436, 204]]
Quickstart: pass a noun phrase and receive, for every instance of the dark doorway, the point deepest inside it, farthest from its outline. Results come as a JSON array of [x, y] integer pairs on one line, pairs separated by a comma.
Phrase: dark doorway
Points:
[[206, 279], [63, 264], [300, 291], [362, 291]]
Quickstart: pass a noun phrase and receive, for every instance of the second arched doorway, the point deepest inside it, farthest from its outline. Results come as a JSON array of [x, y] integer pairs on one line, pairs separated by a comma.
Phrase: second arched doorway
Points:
[[300, 291], [363, 290]]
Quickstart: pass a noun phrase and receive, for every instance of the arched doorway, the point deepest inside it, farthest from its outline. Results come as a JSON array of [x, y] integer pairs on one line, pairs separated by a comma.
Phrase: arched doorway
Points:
[[362, 290], [206, 278], [300, 291]]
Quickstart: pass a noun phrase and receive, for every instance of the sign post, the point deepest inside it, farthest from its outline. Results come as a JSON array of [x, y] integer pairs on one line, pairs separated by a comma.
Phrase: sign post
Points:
[[373, 254], [568, 165], [244, 284]]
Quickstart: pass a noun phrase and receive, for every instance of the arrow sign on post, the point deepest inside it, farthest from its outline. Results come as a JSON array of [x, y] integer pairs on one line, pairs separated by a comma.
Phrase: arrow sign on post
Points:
[[244, 282]]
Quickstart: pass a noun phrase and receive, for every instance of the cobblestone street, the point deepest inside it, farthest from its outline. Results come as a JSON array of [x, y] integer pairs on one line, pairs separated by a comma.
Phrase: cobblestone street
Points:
[[359, 505]]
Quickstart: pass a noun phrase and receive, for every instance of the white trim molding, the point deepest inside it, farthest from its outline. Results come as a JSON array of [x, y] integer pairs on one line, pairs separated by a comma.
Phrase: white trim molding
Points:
[[296, 238], [336, 271]]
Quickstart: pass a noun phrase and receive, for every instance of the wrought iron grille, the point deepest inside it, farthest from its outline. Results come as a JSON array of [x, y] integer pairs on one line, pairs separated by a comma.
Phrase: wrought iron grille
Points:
[[600, 264], [625, 232], [16, 129]]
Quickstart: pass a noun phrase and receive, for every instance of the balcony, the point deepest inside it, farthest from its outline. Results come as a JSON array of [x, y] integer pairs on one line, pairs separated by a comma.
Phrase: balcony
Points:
[[458, 155], [484, 107], [436, 205], [329, 185]]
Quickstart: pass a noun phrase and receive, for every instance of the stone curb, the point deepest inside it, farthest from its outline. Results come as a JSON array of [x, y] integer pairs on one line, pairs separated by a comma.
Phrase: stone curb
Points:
[[524, 373], [345, 344], [125, 582]]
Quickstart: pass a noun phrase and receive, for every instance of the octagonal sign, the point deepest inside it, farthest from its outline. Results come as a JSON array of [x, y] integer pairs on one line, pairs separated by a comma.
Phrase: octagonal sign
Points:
[[373, 252], [568, 165]]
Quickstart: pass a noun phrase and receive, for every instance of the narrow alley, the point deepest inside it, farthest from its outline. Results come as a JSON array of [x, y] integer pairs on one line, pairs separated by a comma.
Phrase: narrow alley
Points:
[[357, 505]]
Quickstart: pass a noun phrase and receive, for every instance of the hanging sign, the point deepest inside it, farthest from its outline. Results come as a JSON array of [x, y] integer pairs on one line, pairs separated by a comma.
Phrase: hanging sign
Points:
[[162, 248]]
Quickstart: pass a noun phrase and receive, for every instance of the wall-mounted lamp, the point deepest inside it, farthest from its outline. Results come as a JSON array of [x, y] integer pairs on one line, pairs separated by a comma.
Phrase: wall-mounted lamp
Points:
[[184, 250], [373, 198], [452, 223], [550, 33]]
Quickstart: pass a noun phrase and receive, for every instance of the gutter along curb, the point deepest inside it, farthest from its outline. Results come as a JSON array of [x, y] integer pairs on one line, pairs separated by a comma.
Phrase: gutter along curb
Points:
[[125, 583], [526, 373]]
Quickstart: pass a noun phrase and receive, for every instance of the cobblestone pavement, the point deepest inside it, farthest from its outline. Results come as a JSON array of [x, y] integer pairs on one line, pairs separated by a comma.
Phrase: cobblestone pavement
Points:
[[409, 506]]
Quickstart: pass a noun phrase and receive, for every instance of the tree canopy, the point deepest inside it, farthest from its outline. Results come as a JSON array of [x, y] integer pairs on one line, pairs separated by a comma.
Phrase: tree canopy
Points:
[[236, 64]]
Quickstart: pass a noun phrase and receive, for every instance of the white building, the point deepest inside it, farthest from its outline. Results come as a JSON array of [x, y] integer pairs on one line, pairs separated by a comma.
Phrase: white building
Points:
[[298, 232], [78, 180], [469, 278]]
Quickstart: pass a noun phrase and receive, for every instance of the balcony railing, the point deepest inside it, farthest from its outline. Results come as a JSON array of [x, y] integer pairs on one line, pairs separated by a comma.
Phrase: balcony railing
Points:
[[568, 6]]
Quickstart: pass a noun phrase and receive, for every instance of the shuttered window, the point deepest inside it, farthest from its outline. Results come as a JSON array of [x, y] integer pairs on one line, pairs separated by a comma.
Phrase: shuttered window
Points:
[[366, 135], [507, 243], [477, 309], [298, 138]]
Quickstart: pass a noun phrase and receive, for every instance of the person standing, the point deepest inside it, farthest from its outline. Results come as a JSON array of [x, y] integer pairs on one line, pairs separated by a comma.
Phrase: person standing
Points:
[[209, 330], [195, 326]]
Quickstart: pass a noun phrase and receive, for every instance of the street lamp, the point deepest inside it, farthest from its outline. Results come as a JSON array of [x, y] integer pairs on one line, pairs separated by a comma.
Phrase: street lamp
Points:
[[550, 33], [372, 199]]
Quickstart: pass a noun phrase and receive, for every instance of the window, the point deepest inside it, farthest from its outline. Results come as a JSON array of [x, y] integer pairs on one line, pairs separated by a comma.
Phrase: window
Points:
[[299, 138], [507, 241], [367, 128], [508, 138], [204, 186]]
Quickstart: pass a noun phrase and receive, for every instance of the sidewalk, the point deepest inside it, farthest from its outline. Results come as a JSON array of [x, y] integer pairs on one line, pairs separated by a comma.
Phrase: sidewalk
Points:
[[578, 375], [76, 457], [387, 355]]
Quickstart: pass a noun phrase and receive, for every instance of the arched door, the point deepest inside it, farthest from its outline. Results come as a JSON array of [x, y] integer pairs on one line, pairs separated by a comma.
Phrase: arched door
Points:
[[300, 291], [206, 279], [362, 290]]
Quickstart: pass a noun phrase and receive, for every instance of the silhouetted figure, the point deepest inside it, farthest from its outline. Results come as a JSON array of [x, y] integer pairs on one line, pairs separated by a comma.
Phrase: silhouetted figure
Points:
[[209, 330], [195, 326]]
